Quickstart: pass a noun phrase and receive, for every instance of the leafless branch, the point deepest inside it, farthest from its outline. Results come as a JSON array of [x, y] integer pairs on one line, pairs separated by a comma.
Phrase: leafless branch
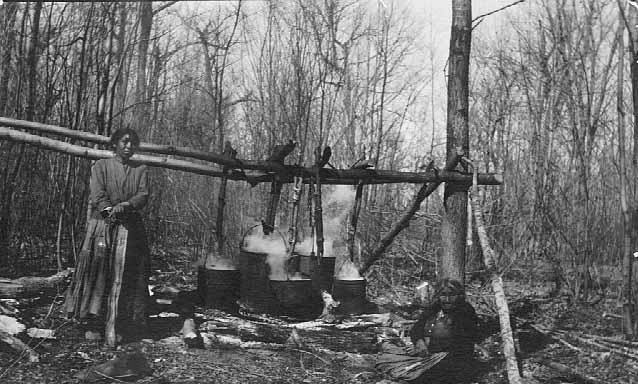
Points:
[[480, 18]]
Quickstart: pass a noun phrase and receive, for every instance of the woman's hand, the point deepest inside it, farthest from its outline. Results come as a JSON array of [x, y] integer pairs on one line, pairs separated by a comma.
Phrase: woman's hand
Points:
[[421, 347], [120, 208]]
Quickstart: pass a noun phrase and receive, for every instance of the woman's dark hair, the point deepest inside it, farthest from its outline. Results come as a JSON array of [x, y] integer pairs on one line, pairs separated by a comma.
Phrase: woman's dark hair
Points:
[[117, 135]]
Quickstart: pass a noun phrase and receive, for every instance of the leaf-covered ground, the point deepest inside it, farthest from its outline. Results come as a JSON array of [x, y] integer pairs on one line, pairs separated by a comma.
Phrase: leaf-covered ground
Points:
[[173, 362]]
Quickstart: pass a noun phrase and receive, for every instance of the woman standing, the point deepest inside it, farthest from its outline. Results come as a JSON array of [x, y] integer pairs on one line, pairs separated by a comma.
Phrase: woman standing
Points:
[[111, 278]]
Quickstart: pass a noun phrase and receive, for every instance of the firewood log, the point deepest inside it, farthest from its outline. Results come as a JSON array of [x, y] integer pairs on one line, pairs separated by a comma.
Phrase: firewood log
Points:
[[31, 285], [333, 339]]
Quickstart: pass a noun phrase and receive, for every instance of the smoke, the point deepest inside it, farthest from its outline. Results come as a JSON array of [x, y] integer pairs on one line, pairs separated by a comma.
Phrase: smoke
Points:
[[346, 270], [274, 246], [308, 245], [340, 195], [336, 206], [297, 276], [218, 263], [260, 243], [212, 260]]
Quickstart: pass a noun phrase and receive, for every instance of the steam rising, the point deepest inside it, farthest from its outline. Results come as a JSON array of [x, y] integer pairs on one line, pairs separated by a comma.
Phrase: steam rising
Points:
[[340, 195], [347, 271], [274, 246], [219, 263], [212, 260], [336, 205]]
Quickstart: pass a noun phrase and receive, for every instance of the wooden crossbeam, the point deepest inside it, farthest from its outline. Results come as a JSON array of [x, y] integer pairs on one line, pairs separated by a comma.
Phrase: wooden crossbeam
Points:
[[252, 171]]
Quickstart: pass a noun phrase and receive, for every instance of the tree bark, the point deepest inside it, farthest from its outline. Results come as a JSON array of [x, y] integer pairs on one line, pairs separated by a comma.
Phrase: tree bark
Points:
[[11, 181], [454, 218], [9, 12], [324, 338], [627, 257], [141, 113]]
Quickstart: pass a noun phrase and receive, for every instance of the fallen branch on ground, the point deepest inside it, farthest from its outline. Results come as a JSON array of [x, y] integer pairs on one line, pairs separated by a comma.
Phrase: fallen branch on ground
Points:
[[31, 285]]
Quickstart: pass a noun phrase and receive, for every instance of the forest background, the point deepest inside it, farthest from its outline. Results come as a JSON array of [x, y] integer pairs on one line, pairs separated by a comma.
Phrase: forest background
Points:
[[364, 77]]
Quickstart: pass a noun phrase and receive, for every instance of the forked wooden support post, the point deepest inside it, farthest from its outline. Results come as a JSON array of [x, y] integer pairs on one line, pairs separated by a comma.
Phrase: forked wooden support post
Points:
[[318, 207], [354, 219], [278, 156], [221, 199]]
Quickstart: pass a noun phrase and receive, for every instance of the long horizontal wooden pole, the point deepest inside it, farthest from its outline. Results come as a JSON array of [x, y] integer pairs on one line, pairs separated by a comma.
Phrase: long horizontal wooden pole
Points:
[[145, 147], [258, 171]]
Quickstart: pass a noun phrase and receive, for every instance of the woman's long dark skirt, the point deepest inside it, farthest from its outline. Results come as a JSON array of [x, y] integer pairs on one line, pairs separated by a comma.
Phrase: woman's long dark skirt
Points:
[[87, 296]]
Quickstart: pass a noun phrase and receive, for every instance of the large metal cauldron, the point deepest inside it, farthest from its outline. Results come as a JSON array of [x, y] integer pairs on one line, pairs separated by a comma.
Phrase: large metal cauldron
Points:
[[218, 288], [298, 298], [255, 291], [351, 294]]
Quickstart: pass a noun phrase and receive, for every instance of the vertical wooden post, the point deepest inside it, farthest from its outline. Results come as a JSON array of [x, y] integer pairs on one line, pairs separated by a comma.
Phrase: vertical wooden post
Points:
[[271, 213], [354, 219], [221, 200], [318, 208], [297, 189], [278, 155]]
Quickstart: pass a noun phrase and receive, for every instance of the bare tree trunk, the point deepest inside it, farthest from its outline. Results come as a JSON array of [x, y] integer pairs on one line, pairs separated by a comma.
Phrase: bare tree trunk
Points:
[[10, 184], [629, 213], [33, 60], [141, 103], [222, 70], [9, 11], [626, 210], [120, 81], [454, 218], [104, 82]]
